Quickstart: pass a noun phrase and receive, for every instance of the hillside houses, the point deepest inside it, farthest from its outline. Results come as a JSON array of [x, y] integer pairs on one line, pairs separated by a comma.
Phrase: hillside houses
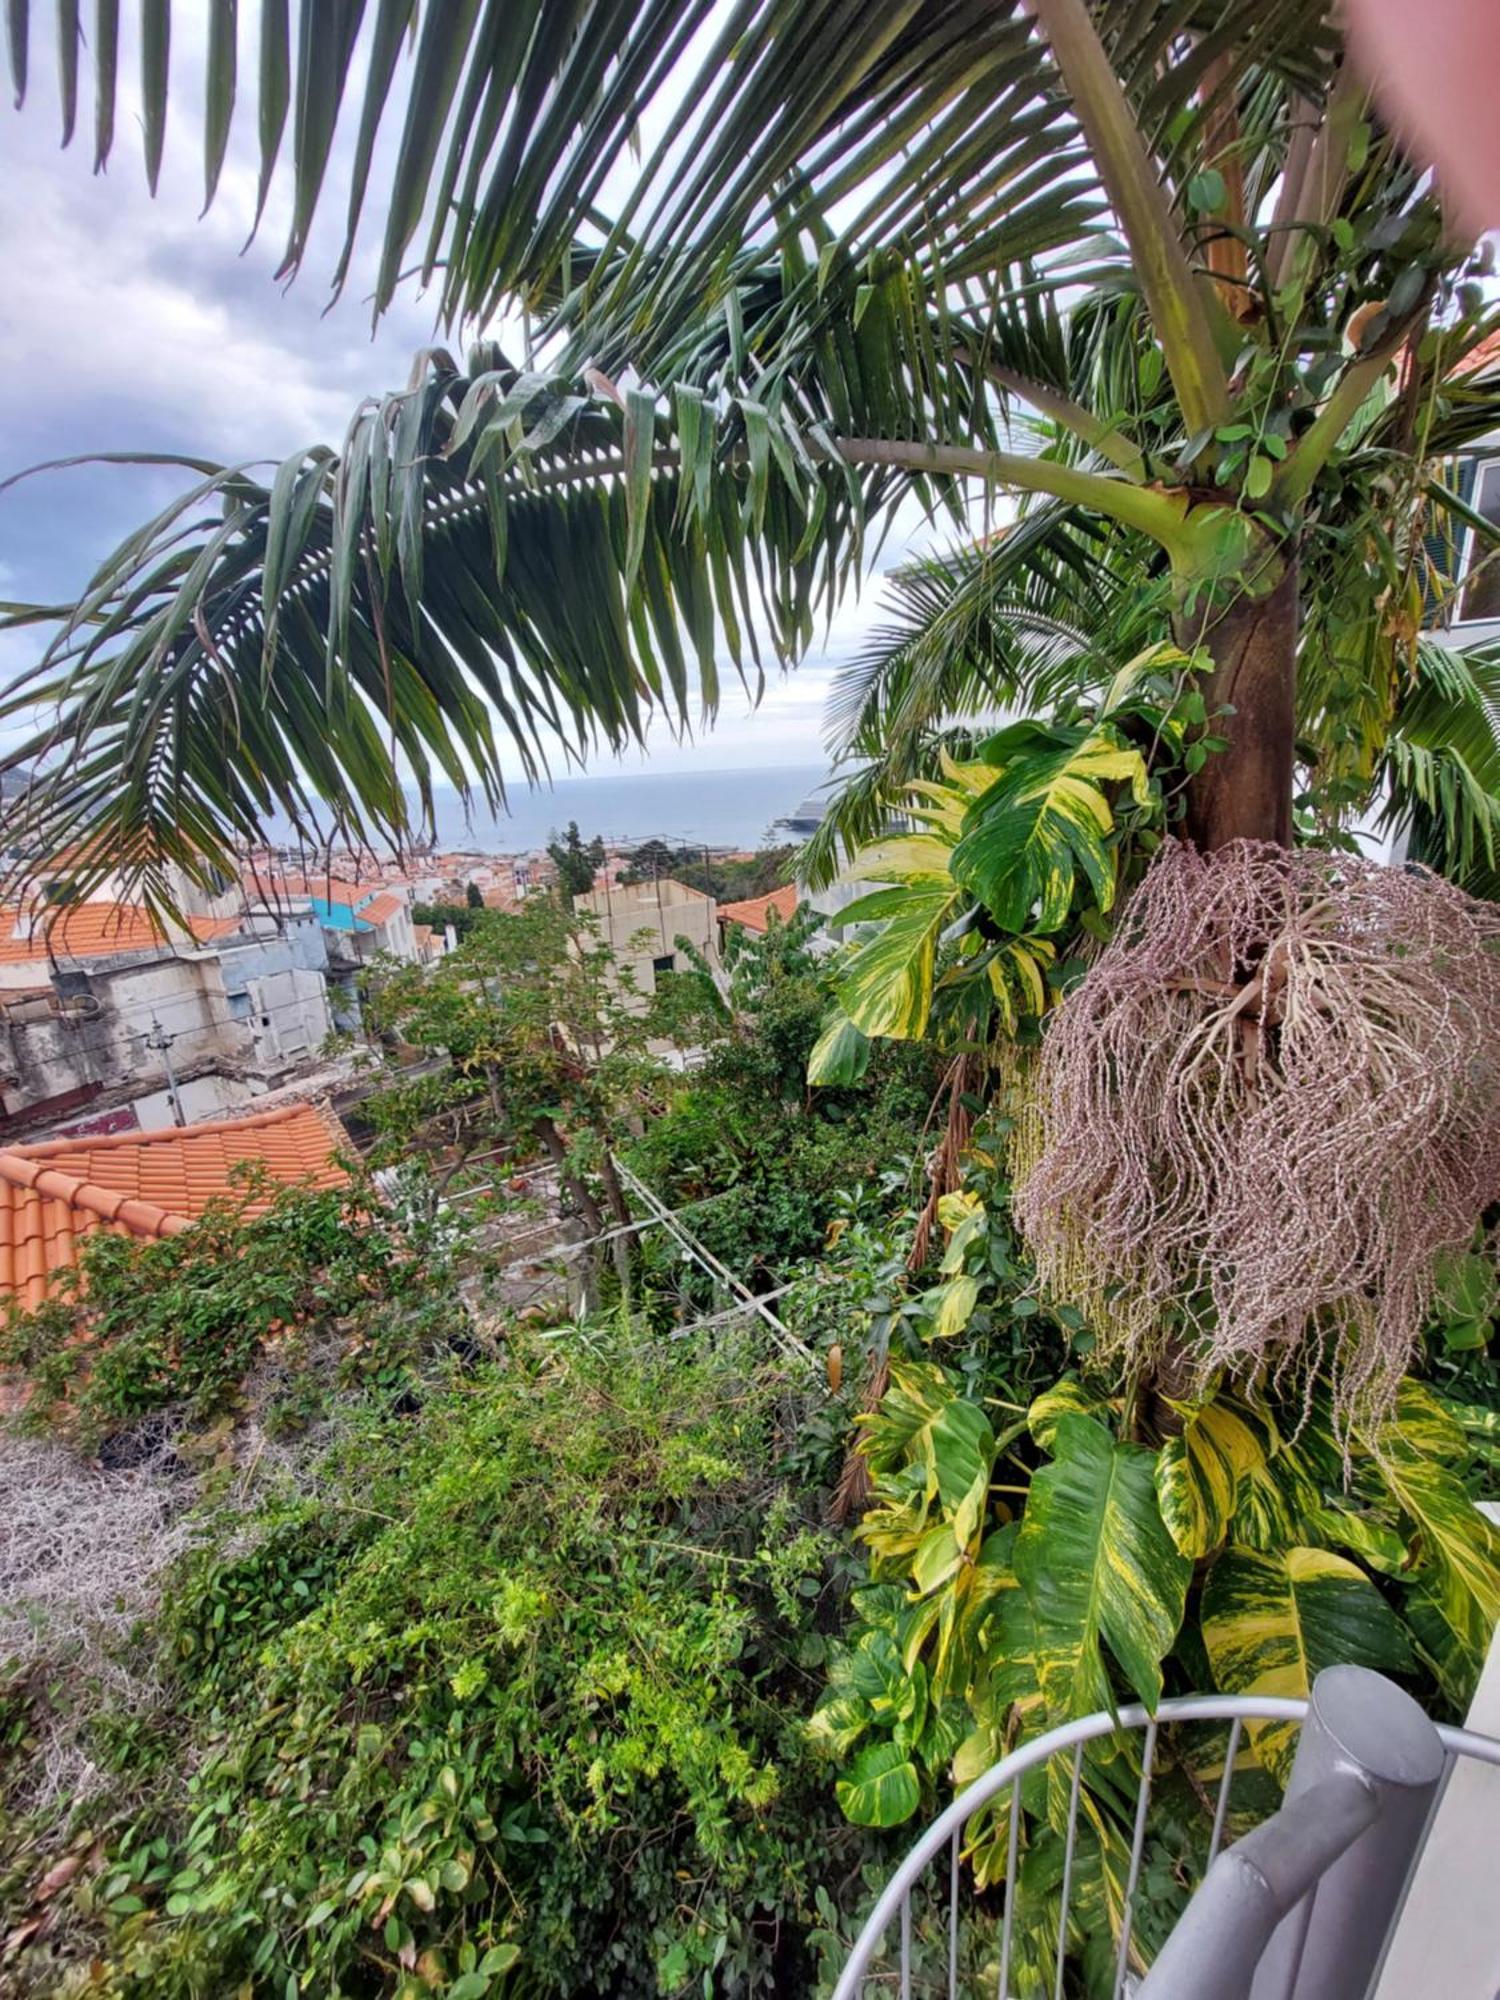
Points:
[[110, 1014]]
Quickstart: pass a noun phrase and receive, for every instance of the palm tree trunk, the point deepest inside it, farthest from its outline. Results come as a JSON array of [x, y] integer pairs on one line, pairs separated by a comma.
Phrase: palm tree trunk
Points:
[[1245, 791]]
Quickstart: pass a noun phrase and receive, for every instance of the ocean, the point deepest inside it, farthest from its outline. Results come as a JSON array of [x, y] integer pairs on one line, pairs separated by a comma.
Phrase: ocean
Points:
[[716, 808]]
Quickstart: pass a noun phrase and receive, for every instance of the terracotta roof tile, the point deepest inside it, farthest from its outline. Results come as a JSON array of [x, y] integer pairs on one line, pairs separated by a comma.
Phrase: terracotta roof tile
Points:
[[80, 930], [380, 911], [59, 1191], [755, 915]]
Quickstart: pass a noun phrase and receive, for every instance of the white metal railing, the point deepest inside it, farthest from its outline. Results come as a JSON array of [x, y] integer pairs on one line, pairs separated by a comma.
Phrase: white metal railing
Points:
[[894, 1906]]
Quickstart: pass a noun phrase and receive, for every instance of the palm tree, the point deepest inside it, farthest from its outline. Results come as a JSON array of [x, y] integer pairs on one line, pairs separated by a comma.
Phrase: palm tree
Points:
[[865, 241]]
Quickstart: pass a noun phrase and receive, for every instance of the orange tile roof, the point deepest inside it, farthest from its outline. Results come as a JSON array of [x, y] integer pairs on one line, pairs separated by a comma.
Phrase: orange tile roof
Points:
[[206, 929], [80, 930], [756, 914], [56, 1192], [379, 911], [326, 888]]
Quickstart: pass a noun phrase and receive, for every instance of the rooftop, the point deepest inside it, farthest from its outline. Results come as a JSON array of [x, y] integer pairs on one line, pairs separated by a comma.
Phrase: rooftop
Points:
[[379, 910], [756, 914], [150, 1184], [93, 930]]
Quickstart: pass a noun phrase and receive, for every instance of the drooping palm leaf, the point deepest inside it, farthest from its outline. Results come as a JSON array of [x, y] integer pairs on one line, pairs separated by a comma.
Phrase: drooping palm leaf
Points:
[[943, 125], [489, 558], [1441, 764]]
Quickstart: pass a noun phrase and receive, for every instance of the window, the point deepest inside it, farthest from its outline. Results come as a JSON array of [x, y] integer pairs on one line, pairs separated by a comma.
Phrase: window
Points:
[[1481, 594], [668, 963]]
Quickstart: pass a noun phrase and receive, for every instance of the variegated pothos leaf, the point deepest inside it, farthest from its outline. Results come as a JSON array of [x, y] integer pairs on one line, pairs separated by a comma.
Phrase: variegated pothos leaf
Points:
[[1273, 1619], [1098, 1568]]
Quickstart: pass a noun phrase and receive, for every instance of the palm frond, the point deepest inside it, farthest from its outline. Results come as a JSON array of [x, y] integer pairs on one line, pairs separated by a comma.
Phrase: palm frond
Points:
[[489, 558], [942, 125], [1441, 764]]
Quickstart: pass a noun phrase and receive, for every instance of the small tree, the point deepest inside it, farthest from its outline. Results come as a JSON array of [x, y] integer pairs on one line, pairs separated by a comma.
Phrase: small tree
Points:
[[650, 861], [474, 896], [576, 863], [548, 1052]]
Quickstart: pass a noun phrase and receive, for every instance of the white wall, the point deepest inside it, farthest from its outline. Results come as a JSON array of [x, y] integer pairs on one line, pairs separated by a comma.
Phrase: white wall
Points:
[[203, 1098]]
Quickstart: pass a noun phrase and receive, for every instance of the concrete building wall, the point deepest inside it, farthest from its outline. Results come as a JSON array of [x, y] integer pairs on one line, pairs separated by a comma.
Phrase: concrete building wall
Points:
[[201, 1097], [250, 1011], [641, 925]]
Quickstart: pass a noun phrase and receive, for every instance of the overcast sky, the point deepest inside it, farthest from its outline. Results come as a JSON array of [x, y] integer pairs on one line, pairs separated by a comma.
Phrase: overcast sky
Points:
[[128, 324]]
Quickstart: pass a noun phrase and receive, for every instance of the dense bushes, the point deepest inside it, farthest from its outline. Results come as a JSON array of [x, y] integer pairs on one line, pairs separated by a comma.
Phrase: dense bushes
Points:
[[509, 1695], [744, 1136], [185, 1319]]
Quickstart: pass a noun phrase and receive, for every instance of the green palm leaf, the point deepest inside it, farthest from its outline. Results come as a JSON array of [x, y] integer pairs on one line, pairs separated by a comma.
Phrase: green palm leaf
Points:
[[456, 576]]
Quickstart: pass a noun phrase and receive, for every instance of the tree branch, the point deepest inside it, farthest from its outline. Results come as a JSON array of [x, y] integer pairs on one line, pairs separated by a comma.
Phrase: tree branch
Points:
[[1093, 431], [1177, 303], [1317, 444], [1144, 508]]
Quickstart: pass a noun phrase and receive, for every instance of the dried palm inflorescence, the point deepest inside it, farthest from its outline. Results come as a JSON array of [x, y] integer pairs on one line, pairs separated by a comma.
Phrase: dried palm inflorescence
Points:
[[1264, 1113]]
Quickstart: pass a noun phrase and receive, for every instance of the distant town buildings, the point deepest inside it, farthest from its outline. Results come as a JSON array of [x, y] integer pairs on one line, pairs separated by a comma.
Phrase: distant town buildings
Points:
[[113, 1021]]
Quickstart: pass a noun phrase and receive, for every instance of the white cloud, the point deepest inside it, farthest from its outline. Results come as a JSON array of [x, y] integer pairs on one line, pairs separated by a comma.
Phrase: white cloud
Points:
[[130, 324]]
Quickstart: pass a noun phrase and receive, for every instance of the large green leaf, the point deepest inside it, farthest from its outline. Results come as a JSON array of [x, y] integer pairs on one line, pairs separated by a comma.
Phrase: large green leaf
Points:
[[885, 983], [1272, 1620], [1044, 822], [1456, 1568], [924, 1422], [882, 1787], [1200, 1473], [1098, 1567], [841, 1054]]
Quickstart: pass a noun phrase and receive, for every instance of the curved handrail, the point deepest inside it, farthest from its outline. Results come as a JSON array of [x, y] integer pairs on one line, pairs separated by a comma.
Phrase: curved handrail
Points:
[[1067, 1736]]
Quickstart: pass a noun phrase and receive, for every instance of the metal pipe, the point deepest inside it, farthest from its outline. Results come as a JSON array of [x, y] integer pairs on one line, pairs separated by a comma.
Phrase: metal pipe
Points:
[[1359, 1725], [1299, 1909]]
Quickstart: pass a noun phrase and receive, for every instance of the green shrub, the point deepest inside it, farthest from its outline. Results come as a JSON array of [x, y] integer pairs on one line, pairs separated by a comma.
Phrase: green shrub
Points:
[[184, 1319], [516, 1704]]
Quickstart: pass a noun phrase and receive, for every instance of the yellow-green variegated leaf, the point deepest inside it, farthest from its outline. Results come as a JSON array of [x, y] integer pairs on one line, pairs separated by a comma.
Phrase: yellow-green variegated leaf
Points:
[[1044, 821], [1198, 1476], [922, 1420], [1456, 1564], [955, 1303], [905, 857], [885, 983], [954, 1210], [1273, 1619], [965, 1216], [1066, 1397], [942, 806], [881, 1789], [841, 1054], [1098, 1568]]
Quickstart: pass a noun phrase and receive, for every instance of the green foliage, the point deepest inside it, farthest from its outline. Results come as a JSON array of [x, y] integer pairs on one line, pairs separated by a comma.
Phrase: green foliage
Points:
[[460, 917], [547, 1040], [1042, 1547], [728, 878], [1019, 853], [473, 896], [522, 1687], [577, 861], [273, 1270], [758, 1162]]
